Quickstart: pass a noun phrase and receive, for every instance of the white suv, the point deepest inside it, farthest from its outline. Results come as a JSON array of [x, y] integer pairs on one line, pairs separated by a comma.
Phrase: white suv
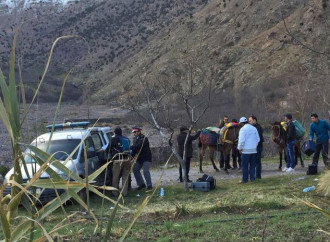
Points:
[[63, 143]]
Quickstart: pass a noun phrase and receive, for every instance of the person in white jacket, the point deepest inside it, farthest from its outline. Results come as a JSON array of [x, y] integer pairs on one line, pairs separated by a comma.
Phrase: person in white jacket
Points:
[[248, 140]]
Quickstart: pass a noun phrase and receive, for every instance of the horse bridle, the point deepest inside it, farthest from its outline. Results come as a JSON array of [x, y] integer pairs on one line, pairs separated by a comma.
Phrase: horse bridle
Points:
[[278, 138]]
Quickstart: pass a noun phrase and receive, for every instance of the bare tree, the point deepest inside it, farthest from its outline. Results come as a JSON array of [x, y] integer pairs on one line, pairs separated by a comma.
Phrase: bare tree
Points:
[[184, 86]]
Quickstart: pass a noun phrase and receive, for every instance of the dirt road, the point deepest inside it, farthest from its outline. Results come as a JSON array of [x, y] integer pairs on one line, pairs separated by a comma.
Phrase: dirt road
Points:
[[171, 175]]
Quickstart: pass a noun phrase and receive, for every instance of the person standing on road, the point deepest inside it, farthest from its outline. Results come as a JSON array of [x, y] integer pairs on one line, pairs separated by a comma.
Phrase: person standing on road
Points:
[[290, 142], [248, 140], [235, 153], [222, 156], [321, 129], [119, 151], [254, 121], [181, 139], [141, 151]]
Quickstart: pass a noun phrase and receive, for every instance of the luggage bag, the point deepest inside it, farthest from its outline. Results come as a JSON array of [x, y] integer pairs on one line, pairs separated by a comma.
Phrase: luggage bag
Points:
[[204, 184], [201, 186], [308, 147]]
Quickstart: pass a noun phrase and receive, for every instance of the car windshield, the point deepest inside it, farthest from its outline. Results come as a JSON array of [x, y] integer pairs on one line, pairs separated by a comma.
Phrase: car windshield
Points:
[[62, 148]]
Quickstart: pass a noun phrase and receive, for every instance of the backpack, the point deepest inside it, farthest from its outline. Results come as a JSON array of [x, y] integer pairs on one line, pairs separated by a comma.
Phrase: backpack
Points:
[[125, 144], [300, 132]]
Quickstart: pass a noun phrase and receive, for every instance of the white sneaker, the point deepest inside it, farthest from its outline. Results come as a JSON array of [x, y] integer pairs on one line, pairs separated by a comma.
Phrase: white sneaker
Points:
[[290, 169], [284, 169]]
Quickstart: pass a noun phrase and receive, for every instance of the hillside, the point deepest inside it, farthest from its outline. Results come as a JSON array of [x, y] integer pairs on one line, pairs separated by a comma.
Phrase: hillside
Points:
[[257, 64], [110, 33], [255, 61]]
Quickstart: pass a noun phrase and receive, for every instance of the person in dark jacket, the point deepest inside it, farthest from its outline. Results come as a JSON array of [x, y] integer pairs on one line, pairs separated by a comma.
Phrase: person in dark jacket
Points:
[[290, 142], [254, 121], [121, 163], [224, 161], [235, 152], [321, 129], [181, 138], [141, 151]]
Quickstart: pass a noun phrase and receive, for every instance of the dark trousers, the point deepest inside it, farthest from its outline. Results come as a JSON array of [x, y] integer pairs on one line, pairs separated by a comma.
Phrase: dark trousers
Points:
[[224, 161], [258, 162], [236, 157], [248, 166], [324, 147], [187, 169]]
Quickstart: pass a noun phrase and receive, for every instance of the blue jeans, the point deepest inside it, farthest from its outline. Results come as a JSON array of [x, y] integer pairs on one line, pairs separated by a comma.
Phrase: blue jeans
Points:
[[248, 165], [258, 162], [290, 154]]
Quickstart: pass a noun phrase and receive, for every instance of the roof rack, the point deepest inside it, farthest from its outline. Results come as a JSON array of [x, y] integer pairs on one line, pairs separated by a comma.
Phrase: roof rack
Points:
[[69, 125]]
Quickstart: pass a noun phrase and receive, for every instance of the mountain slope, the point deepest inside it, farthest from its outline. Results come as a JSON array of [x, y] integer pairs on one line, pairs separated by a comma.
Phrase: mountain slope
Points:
[[112, 31], [254, 56], [254, 60]]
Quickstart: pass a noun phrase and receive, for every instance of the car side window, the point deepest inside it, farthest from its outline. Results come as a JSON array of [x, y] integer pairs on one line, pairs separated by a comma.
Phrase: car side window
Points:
[[97, 141], [89, 144], [109, 134]]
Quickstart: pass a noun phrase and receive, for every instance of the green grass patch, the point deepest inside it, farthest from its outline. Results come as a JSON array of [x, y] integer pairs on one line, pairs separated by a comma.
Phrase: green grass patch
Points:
[[269, 209]]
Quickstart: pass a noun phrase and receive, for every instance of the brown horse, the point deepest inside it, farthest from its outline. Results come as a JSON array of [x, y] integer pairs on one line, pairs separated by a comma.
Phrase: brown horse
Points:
[[278, 137], [226, 144]]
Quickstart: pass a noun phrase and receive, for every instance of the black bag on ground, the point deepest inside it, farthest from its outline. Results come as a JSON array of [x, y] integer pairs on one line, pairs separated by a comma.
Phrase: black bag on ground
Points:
[[207, 178], [312, 169]]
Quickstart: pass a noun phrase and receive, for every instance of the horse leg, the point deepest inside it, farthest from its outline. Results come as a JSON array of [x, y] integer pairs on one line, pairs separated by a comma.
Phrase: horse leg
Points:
[[201, 155], [227, 159], [300, 156], [281, 156], [301, 159], [295, 155], [212, 160]]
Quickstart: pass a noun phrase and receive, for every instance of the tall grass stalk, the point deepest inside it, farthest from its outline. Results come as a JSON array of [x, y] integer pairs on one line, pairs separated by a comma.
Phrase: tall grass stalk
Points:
[[15, 228]]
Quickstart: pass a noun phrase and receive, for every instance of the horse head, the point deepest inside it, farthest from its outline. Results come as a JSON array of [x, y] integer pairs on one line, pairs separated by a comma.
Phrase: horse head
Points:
[[278, 133]]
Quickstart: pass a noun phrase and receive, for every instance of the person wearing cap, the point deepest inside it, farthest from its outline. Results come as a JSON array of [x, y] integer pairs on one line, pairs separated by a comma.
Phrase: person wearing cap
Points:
[[181, 138], [254, 121], [142, 154], [120, 157], [290, 140], [248, 140], [321, 129]]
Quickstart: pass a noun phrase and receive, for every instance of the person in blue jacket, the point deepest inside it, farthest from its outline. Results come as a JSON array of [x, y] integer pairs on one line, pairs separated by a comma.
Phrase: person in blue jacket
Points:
[[321, 129]]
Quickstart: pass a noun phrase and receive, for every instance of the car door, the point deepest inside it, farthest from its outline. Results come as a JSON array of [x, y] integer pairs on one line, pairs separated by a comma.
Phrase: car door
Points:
[[97, 139], [92, 158]]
